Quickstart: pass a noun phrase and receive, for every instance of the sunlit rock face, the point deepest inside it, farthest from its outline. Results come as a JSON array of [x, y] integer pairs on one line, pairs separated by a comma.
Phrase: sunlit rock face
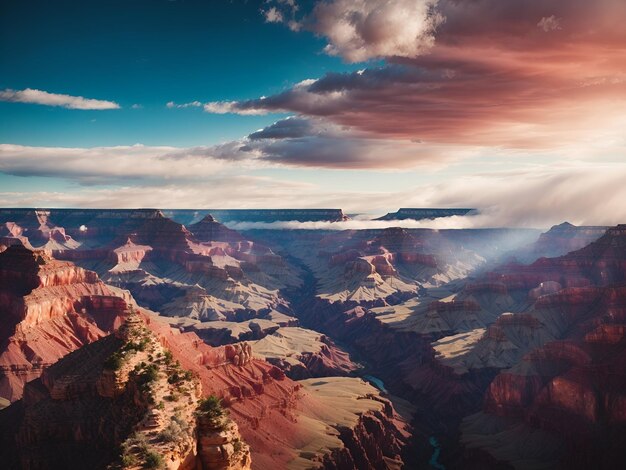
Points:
[[48, 309], [102, 402], [205, 269]]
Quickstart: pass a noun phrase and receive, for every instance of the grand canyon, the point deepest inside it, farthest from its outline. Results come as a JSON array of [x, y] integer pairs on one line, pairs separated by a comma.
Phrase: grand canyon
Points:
[[379, 348], [312, 234]]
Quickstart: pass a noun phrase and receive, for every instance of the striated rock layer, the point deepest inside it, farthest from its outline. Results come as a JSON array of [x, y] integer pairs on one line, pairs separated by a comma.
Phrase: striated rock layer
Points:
[[120, 402], [47, 309], [124, 397], [564, 371], [286, 425]]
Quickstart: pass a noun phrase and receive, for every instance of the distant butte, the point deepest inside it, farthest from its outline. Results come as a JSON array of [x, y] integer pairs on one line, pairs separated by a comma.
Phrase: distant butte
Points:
[[405, 213]]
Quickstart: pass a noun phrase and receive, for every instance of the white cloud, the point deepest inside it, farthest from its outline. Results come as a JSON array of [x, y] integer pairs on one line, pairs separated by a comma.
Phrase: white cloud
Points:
[[273, 15], [367, 29], [538, 197], [226, 107], [582, 192], [30, 95], [360, 30], [549, 23], [107, 165], [192, 104]]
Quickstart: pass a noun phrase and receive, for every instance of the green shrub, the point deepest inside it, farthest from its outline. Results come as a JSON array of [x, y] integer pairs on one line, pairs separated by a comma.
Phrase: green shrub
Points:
[[136, 440], [153, 460], [172, 432], [114, 361], [136, 346], [146, 377], [167, 355], [129, 460], [149, 374], [211, 407]]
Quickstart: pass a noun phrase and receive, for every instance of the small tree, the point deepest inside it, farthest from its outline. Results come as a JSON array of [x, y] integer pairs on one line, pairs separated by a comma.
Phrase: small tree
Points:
[[211, 407]]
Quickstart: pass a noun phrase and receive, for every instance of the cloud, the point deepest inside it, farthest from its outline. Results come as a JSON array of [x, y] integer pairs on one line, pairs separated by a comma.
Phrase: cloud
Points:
[[549, 23], [362, 30], [356, 224], [193, 104], [306, 142], [106, 165], [315, 143], [30, 95], [283, 11], [368, 29], [291, 127], [538, 196], [273, 15], [292, 142], [226, 107], [492, 78], [212, 192]]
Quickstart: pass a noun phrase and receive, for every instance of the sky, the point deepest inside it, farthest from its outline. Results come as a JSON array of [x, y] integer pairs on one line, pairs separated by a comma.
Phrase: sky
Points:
[[515, 107]]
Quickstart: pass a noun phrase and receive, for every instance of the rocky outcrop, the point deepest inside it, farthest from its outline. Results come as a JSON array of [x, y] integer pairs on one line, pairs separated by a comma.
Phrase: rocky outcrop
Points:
[[48, 308], [279, 215], [84, 225], [126, 400], [129, 256], [220, 446], [166, 267], [268, 406], [560, 240], [209, 229], [567, 378], [110, 402], [303, 353], [368, 427], [34, 228]]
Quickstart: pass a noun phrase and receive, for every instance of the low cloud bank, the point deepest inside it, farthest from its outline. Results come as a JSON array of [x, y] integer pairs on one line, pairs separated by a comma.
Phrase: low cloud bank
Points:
[[441, 223]]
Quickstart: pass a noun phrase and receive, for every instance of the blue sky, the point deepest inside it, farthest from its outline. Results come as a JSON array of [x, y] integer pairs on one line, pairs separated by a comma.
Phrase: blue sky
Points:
[[147, 53], [516, 108]]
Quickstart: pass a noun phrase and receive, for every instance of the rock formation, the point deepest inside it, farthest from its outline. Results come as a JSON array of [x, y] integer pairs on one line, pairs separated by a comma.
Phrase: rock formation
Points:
[[220, 446], [214, 273], [48, 308], [278, 215], [449, 320], [208, 229], [110, 403], [559, 240], [424, 213], [303, 353]]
